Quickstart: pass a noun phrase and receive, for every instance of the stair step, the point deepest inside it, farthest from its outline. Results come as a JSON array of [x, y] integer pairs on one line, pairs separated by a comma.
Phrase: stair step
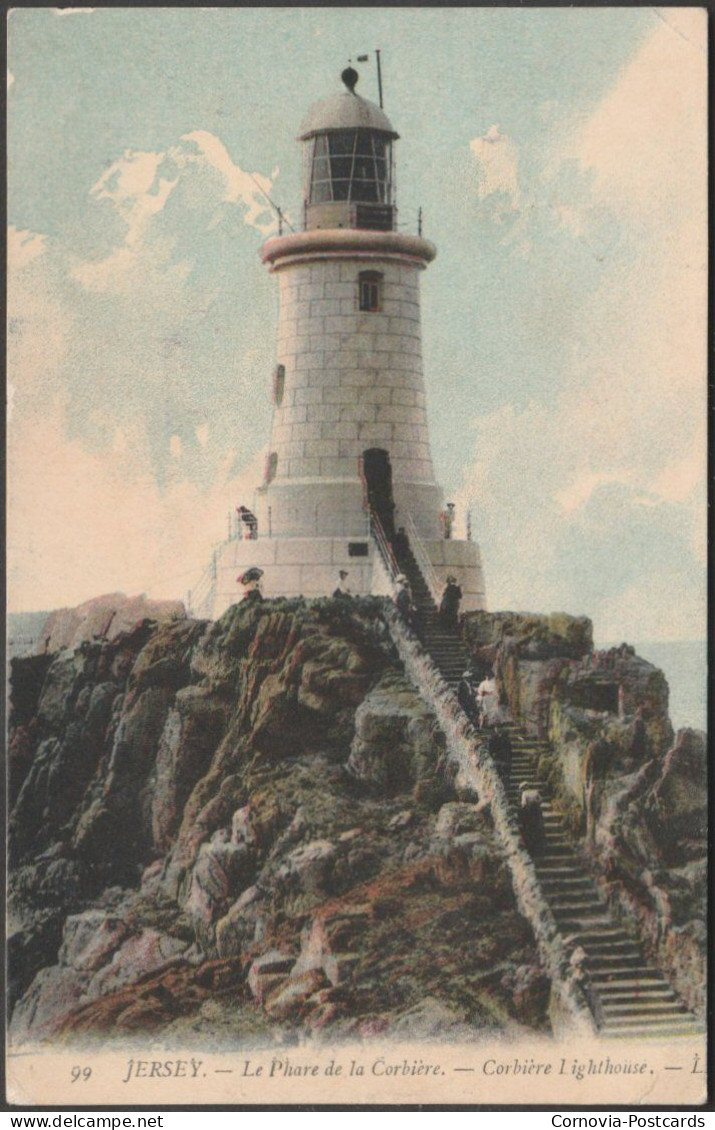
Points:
[[596, 949], [634, 975], [604, 934], [602, 963], [574, 908], [661, 1022], [617, 995], [559, 882], [644, 1008]]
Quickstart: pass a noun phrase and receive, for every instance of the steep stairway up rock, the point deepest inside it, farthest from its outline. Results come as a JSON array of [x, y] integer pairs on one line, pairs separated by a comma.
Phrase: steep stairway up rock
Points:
[[627, 997]]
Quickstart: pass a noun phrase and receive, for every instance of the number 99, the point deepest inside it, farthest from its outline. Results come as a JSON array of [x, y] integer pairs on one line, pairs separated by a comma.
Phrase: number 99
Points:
[[81, 1073]]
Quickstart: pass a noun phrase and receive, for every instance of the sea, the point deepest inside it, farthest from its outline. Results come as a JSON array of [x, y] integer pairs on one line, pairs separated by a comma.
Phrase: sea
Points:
[[684, 664]]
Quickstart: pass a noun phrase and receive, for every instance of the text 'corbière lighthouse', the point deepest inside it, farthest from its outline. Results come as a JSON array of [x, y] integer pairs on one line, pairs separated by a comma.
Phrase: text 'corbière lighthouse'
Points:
[[349, 465]]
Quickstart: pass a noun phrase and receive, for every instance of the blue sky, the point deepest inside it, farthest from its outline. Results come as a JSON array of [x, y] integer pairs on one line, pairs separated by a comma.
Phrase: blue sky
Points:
[[559, 158]]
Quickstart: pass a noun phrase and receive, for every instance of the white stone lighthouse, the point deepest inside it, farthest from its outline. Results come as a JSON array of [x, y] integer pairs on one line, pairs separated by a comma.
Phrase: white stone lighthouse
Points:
[[349, 448]]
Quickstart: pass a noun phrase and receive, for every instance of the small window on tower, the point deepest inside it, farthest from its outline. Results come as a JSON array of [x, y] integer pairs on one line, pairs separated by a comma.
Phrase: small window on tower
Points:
[[279, 382], [370, 287]]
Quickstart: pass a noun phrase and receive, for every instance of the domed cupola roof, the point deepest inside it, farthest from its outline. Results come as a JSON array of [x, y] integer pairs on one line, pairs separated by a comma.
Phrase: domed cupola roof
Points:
[[345, 111]]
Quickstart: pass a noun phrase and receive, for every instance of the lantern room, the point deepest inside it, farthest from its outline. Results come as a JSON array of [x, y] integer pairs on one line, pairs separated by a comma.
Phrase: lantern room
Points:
[[347, 163]]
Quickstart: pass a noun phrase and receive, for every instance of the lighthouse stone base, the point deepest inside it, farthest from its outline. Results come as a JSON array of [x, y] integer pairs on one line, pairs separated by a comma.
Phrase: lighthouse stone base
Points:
[[310, 567]]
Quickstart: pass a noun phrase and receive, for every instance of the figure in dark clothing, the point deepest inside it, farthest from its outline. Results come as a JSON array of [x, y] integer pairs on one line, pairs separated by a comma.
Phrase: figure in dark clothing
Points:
[[449, 604], [403, 602], [251, 581], [248, 524], [467, 698], [500, 749], [531, 822], [400, 543]]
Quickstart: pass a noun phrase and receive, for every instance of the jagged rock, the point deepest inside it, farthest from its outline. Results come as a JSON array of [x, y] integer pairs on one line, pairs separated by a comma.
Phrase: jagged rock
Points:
[[289, 998], [32, 944], [457, 818], [528, 989], [140, 954], [242, 829], [89, 939], [268, 971], [394, 741], [308, 868], [222, 869], [400, 821], [53, 995], [244, 923], [193, 729], [334, 932], [535, 636], [432, 1018]]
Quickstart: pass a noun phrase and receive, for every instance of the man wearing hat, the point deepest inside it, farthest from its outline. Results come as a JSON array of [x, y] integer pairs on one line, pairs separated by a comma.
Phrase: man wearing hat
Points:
[[343, 589], [403, 600]]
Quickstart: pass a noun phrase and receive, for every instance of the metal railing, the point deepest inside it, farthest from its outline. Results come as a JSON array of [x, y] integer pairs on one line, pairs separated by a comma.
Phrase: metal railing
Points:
[[306, 524], [383, 545], [204, 589], [420, 553]]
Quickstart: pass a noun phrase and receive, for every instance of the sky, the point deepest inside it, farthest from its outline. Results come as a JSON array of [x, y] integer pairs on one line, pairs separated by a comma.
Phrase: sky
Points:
[[559, 158]]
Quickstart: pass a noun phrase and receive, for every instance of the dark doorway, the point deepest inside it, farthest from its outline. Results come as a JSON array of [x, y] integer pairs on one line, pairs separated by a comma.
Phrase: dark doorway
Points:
[[377, 477], [595, 695]]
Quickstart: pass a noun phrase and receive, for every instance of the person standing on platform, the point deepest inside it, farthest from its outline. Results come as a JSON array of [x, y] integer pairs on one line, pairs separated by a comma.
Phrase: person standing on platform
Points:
[[343, 589]]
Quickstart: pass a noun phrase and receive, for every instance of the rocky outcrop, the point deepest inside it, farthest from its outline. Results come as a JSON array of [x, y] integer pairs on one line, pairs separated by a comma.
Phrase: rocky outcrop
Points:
[[648, 841], [245, 827], [103, 617]]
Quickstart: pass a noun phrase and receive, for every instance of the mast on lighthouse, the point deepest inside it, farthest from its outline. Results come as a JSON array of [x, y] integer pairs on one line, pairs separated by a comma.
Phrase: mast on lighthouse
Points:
[[349, 432]]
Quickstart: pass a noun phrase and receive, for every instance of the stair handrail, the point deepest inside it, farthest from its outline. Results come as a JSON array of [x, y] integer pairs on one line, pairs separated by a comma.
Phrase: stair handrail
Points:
[[386, 551], [420, 553], [205, 587]]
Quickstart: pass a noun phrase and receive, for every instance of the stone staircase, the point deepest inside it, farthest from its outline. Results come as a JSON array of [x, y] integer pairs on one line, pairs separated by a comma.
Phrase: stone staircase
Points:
[[628, 997], [444, 645]]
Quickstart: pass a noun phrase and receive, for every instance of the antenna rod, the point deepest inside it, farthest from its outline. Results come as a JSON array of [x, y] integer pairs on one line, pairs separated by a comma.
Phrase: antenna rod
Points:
[[379, 75]]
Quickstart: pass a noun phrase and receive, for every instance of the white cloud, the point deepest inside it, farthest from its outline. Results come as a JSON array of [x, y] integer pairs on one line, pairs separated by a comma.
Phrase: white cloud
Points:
[[132, 184], [80, 523], [251, 190], [23, 247], [497, 162], [609, 471], [138, 186]]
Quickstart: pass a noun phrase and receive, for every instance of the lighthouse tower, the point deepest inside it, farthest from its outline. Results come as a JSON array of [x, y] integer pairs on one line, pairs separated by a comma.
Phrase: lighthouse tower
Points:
[[349, 463]]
